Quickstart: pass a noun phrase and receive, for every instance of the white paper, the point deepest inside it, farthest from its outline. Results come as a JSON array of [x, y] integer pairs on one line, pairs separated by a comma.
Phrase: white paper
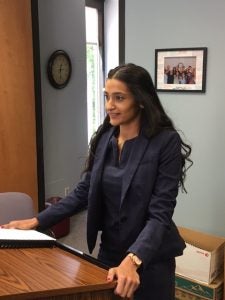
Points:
[[19, 234]]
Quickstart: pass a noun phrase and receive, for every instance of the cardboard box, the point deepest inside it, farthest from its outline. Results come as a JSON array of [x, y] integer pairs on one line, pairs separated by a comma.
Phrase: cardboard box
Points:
[[195, 290], [203, 258]]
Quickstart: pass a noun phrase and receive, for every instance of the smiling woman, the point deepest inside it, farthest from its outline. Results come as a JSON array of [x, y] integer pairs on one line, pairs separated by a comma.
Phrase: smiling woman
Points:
[[121, 108], [130, 192]]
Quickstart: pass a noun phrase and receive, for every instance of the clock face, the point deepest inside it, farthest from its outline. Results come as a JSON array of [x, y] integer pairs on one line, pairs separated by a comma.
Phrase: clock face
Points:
[[59, 69]]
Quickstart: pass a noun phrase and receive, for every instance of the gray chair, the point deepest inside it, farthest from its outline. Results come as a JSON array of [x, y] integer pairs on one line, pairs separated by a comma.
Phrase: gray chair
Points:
[[15, 206]]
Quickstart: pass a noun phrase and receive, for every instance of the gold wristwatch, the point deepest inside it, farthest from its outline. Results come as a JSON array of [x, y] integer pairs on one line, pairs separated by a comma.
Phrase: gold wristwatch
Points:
[[135, 260]]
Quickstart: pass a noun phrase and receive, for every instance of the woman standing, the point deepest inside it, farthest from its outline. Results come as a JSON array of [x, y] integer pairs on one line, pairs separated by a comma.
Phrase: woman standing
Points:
[[136, 163]]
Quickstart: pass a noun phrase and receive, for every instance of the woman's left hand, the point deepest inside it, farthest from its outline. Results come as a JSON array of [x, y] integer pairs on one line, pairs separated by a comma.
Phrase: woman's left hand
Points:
[[127, 278]]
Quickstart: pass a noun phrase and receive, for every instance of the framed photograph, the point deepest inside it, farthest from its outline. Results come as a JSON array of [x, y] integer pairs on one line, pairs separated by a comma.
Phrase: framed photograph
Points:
[[180, 70]]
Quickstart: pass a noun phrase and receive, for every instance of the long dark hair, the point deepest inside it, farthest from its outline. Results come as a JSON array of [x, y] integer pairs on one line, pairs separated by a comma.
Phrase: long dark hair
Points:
[[153, 115]]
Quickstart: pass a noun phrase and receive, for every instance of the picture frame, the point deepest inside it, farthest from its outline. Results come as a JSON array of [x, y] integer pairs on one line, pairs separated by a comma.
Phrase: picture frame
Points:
[[181, 69]]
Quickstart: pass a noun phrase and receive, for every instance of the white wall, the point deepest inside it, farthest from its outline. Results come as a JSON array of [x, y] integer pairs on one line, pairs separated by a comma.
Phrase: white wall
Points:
[[62, 26], [165, 24]]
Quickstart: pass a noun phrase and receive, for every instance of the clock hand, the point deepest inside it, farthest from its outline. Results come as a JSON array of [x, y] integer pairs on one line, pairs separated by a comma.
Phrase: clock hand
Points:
[[60, 71]]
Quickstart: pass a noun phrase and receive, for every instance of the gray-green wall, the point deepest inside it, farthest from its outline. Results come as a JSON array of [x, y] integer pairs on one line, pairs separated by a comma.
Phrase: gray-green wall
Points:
[[177, 24], [62, 26], [149, 25]]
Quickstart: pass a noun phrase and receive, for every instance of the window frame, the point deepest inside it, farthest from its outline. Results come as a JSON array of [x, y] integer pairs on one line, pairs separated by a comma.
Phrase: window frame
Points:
[[99, 5], [121, 31]]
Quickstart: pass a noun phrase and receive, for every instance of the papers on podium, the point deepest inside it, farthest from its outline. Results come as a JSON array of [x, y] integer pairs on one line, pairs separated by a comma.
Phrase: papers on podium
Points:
[[18, 238]]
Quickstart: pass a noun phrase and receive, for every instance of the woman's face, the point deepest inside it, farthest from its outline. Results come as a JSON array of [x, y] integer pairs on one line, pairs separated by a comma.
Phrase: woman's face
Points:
[[180, 67], [120, 104]]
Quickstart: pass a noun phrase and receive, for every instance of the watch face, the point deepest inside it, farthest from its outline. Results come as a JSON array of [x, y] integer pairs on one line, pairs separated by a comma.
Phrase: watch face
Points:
[[137, 260], [59, 69]]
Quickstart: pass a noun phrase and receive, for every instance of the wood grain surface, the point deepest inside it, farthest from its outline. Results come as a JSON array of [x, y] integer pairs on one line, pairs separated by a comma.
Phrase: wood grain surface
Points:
[[17, 100], [51, 273]]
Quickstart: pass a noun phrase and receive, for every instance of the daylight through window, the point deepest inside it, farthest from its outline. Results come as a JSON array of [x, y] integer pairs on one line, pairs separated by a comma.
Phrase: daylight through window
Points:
[[94, 73]]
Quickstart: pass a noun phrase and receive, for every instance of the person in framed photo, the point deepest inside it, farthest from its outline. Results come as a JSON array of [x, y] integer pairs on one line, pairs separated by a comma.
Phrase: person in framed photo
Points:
[[170, 76], [137, 161], [181, 76], [190, 75]]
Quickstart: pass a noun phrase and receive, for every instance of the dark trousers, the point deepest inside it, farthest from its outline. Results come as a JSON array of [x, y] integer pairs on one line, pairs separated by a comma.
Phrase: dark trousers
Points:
[[157, 280]]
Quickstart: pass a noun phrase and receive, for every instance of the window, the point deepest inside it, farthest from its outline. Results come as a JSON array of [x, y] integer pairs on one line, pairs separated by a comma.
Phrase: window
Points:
[[95, 77], [113, 52]]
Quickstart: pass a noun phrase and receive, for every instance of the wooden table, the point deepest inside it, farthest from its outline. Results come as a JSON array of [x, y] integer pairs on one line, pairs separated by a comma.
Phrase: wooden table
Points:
[[51, 273]]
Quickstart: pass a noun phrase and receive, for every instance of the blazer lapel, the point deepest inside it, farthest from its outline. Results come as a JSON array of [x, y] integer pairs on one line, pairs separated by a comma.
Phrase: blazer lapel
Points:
[[100, 155], [137, 153], [94, 205]]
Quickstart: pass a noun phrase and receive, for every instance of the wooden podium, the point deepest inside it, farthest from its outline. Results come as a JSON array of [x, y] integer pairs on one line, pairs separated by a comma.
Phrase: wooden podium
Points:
[[51, 273]]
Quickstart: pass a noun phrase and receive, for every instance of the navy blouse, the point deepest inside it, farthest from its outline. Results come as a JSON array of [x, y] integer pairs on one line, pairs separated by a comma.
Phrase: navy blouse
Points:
[[114, 168]]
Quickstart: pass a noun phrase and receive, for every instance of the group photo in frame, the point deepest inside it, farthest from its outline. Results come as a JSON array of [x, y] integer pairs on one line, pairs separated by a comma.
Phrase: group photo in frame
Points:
[[180, 69]]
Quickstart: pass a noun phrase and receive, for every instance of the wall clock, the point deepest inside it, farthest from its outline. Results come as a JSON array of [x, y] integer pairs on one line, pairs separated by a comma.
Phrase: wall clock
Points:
[[59, 69]]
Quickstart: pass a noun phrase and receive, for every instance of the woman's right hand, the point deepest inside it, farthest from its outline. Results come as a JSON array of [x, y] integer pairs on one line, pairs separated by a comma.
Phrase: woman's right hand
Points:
[[21, 224]]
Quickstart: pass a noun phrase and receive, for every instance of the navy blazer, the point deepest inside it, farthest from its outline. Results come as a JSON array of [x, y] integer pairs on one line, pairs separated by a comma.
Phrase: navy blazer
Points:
[[148, 198]]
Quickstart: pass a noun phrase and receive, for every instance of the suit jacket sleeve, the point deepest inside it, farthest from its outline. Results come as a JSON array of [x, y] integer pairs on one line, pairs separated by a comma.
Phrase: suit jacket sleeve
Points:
[[68, 206], [156, 233]]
